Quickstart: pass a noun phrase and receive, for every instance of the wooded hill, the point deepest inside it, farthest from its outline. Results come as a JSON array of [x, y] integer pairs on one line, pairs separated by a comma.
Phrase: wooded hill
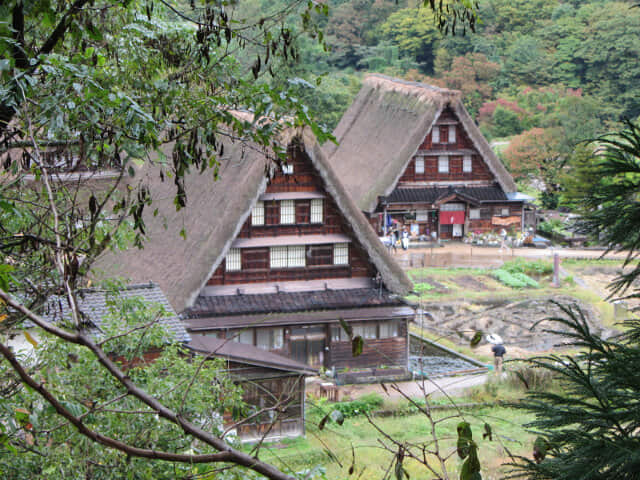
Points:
[[546, 74]]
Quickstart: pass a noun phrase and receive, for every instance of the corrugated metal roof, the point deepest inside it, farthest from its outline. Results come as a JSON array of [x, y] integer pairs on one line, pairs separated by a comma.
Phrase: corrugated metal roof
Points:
[[243, 353]]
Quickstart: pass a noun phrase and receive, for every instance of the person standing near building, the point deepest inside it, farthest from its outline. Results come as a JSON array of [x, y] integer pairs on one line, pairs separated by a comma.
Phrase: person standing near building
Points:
[[405, 239]]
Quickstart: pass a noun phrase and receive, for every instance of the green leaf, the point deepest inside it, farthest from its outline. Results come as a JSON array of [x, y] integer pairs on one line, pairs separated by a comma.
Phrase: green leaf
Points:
[[464, 439], [540, 447], [475, 340], [357, 344], [487, 432], [347, 328]]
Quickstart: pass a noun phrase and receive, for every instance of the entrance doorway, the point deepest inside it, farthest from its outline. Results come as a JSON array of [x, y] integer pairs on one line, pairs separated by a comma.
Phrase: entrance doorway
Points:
[[307, 345]]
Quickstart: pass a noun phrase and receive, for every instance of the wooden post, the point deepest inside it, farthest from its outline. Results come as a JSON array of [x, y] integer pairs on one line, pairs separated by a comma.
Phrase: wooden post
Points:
[[556, 270]]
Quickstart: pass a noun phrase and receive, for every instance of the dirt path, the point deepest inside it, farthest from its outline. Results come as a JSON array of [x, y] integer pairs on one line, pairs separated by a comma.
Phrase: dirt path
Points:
[[456, 254]]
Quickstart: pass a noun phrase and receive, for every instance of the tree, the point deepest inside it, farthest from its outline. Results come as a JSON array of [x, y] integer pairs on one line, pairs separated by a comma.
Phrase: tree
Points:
[[610, 207], [588, 428]]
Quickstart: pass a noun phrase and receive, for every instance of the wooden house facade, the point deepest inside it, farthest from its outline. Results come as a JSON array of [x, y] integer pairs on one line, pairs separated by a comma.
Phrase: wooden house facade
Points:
[[411, 155], [274, 257]]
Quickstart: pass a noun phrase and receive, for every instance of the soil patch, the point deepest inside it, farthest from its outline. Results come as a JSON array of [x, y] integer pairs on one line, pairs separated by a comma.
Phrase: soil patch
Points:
[[471, 283], [522, 324]]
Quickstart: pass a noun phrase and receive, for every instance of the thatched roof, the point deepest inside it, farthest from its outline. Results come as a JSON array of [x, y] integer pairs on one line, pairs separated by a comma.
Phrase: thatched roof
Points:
[[215, 213], [382, 130]]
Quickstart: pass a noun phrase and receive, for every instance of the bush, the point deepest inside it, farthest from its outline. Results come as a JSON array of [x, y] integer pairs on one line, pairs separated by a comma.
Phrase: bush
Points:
[[365, 404], [528, 267], [422, 287], [529, 377], [515, 280]]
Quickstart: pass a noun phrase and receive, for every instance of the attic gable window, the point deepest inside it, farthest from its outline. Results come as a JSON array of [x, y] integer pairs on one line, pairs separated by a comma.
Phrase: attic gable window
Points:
[[420, 165], [317, 215], [233, 262], [257, 214], [435, 134], [452, 134], [466, 164], [287, 168], [287, 212], [443, 164], [341, 254]]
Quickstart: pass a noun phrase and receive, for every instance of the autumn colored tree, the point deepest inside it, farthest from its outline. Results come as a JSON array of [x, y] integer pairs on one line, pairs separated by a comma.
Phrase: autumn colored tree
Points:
[[536, 154]]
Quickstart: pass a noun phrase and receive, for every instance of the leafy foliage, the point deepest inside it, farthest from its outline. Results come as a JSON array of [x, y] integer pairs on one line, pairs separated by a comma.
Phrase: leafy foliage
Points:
[[515, 279], [588, 429]]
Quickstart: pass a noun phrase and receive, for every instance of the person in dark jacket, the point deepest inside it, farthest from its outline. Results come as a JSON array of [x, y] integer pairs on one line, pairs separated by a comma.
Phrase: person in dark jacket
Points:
[[498, 354]]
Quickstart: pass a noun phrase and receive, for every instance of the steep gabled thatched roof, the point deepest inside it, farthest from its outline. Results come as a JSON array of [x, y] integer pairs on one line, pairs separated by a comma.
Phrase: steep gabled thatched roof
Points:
[[213, 217], [382, 130]]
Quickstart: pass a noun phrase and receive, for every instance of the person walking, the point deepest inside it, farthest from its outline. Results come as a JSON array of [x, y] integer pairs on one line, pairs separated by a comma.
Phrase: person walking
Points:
[[498, 357]]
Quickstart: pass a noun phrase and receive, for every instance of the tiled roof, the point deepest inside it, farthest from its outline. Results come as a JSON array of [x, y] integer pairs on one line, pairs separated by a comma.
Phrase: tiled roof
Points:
[[223, 322], [291, 302], [243, 353], [93, 304], [430, 195]]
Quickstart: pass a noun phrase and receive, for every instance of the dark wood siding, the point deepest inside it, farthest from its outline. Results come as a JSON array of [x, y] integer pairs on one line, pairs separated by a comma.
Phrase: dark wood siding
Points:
[[255, 261], [376, 352]]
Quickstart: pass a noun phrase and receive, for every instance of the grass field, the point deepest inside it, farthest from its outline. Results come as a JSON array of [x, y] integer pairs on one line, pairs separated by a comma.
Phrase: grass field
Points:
[[332, 447]]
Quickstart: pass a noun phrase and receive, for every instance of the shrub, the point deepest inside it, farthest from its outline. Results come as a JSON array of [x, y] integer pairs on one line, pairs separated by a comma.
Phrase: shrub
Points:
[[422, 287], [528, 267], [365, 404], [515, 280]]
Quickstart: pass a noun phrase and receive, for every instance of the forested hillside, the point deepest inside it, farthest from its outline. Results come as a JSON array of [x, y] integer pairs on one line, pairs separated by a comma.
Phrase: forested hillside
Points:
[[542, 74]]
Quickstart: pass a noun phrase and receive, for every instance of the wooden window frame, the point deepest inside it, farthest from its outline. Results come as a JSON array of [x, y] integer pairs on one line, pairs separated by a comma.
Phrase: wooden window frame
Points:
[[341, 254], [287, 212], [443, 161], [435, 134], [419, 166], [452, 134], [257, 214], [233, 260], [467, 164], [316, 210]]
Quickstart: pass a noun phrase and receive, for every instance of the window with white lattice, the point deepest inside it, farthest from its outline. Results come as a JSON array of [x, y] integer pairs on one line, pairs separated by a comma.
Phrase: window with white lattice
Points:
[[452, 134], [467, 165], [389, 329], [341, 254], [317, 214], [435, 134], [233, 262], [257, 214], [296, 256], [291, 256], [443, 164], [287, 168], [420, 165], [278, 257], [269, 338], [474, 214], [287, 212]]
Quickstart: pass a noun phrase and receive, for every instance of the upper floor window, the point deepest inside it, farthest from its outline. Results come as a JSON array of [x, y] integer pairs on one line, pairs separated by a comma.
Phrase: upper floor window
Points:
[[452, 134], [474, 213], [366, 331], [389, 329], [316, 210], [287, 212], [233, 261], [435, 134], [466, 164], [257, 214], [504, 212], [287, 168], [341, 254], [287, 257], [243, 336], [419, 165], [443, 164]]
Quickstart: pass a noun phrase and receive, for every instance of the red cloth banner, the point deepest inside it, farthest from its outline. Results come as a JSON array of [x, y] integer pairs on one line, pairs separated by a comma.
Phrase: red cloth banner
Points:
[[451, 218]]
